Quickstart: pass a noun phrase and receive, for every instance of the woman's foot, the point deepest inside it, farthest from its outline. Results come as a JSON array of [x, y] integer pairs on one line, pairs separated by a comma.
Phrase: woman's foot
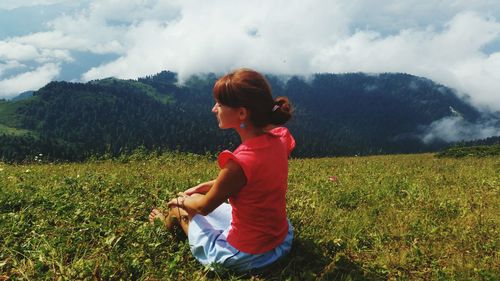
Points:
[[169, 221]]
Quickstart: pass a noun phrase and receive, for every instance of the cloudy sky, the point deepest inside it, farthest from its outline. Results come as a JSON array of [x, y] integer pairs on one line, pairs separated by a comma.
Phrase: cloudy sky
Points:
[[453, 42]]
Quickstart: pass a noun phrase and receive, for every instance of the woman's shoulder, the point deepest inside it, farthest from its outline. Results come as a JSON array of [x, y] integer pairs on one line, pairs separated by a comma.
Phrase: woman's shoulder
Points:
[[246, 159], [285, 136], [278, 131]]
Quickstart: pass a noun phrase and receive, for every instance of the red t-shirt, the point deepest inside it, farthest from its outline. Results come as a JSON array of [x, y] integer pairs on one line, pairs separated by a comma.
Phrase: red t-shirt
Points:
[[259, 221]]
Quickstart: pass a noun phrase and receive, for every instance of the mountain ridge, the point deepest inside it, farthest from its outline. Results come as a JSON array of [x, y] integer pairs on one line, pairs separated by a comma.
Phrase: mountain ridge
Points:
[[335, 114]]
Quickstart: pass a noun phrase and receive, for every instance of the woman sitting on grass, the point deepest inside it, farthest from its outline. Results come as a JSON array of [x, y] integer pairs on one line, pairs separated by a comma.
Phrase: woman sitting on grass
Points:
[[251, 231]]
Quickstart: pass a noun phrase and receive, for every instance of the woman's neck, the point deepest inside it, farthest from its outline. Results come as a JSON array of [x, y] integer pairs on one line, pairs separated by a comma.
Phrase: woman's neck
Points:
[[249, 132]]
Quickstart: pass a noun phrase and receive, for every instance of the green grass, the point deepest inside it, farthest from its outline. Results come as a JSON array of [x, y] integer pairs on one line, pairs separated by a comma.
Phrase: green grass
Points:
[[9, 119], [164, 98], [471, 151], [13, 131], [8, 115], [397, 217]]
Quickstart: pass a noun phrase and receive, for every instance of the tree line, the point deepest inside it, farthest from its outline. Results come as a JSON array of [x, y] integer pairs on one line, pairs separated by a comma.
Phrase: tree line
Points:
[[335, 114]]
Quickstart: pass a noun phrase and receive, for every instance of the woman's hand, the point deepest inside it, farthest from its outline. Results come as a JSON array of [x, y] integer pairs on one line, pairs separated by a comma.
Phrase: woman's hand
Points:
[[204, 198], [177, 202]]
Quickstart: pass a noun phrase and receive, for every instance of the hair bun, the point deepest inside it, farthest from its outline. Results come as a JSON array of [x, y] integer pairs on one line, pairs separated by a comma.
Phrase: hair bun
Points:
[[282, 113]]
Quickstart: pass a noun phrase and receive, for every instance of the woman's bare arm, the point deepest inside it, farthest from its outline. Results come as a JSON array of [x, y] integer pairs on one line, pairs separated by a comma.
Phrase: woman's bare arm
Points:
[[229, 182], [201, 188]]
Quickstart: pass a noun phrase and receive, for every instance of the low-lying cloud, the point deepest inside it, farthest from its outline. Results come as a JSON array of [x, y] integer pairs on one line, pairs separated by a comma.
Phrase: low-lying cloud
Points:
[[456, 128], [34, 79]]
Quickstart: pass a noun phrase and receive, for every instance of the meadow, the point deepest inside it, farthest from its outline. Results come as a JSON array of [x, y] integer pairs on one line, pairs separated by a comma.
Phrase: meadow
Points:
[[397, 217]]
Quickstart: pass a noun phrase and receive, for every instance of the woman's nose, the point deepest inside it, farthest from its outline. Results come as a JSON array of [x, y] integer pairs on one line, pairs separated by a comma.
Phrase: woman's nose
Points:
[[214, 109]]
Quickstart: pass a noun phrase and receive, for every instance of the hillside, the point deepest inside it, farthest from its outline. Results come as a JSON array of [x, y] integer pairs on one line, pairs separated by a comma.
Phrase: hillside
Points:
[[393, 217], [344, 114], [477, 148]]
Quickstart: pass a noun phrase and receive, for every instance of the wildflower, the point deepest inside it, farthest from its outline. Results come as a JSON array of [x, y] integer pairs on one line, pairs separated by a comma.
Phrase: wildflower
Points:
[[27, 171], [333, 178], [337, 241]]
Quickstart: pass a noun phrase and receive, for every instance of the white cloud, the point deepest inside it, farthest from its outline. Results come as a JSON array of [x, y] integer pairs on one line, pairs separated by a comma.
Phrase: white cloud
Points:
[[17, 51], [52, 40], [389, 16], [40, 47], [14, 4], [32, 80], [455, 128], [8, 65], [452, 56], [443, 41], [213, 37], [216, 37]]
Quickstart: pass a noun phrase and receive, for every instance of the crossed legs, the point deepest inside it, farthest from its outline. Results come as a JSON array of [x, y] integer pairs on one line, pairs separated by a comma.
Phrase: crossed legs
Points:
[[172, 216]]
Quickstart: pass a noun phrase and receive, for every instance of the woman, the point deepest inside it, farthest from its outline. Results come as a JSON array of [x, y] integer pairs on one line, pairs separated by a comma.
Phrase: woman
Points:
[[251, 231]]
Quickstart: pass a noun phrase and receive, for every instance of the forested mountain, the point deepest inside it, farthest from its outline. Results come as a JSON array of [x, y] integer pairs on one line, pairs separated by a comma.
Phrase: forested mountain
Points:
[[335, 114]]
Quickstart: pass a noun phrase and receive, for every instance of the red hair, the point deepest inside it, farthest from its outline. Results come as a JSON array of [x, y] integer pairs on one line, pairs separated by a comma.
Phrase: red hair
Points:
[[249, 89]]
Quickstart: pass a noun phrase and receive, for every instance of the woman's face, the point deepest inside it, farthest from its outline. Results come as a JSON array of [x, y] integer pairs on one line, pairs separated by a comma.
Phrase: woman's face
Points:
[[227, 117]]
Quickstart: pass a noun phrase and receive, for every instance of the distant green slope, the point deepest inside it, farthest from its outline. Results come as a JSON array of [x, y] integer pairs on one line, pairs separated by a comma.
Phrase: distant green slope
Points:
[[13, 131], [10, 123], [136, 86], [8, 115]]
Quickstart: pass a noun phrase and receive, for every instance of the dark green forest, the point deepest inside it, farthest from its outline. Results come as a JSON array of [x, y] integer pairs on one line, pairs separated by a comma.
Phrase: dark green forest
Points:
[[477, 148], [335, 115]]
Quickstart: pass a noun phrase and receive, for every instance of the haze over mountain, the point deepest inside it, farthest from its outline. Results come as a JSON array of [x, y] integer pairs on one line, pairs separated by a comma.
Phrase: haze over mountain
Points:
[[335, 114]]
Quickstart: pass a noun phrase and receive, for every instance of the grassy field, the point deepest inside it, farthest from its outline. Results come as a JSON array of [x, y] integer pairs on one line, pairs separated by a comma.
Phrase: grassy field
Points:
[[8, 119], [383, 217], [8, 114], [12, 131]]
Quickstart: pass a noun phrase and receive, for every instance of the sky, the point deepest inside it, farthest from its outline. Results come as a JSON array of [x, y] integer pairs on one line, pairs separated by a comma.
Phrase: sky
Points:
[[452, 42]]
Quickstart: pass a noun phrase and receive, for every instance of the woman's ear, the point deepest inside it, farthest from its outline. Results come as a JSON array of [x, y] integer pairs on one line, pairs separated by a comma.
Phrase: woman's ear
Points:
[[243, 113]]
